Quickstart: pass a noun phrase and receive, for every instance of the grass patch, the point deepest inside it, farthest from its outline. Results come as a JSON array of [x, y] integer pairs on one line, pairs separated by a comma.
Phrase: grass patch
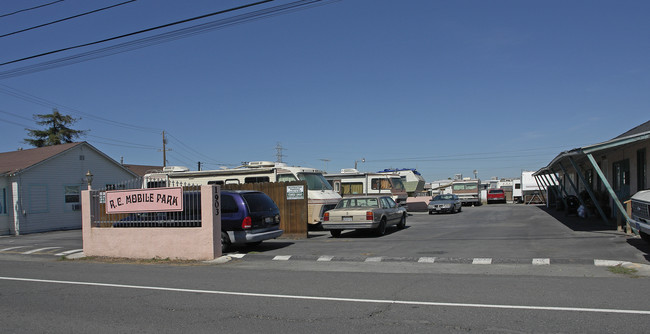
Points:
[[619, 269]]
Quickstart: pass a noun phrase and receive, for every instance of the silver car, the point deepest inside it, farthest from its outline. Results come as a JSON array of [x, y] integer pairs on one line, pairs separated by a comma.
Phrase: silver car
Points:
[[445, 203], [364, 212]]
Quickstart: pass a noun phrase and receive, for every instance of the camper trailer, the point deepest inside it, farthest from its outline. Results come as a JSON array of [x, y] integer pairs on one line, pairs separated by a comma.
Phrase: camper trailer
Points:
[[412, 179], [350, 182], [320, 196]]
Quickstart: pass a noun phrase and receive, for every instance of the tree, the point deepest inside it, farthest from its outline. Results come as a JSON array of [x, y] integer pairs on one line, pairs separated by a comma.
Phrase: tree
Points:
[[56, 132]]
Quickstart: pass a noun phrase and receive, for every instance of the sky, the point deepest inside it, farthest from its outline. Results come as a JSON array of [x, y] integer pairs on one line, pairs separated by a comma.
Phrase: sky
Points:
[[447, 87]]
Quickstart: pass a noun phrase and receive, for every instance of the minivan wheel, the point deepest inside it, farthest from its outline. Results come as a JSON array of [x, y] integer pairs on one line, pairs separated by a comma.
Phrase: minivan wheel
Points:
[[225, 242]]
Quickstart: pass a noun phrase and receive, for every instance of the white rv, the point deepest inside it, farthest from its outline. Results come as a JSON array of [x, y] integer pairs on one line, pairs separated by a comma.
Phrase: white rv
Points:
[[412, 179], [320, 196], [351, 182]]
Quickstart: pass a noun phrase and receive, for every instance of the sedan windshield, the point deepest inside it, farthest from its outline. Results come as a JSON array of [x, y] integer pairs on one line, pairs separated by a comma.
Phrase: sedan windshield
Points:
[[315, 181]]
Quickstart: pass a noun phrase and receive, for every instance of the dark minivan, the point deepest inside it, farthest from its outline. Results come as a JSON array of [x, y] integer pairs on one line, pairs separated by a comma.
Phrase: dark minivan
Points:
[[248, 217]]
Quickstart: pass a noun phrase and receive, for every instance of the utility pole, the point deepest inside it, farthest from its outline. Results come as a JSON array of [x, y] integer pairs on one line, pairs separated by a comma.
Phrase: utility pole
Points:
[[199, 165], [164, 150]]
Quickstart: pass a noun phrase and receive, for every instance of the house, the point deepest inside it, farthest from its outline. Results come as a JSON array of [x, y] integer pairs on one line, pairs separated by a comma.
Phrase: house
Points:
[[601, 176], [40, 187]]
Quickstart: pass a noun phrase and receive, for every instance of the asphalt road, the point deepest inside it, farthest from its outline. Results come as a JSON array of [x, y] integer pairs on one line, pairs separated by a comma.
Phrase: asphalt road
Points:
[[356, 283]]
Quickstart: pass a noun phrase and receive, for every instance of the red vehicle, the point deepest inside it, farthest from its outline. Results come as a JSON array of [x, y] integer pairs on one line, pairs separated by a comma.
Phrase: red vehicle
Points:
[[496, 196]]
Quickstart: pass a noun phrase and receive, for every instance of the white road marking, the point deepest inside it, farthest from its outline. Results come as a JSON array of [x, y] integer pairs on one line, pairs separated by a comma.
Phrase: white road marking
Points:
[[541, 262], [427, 260], [39, 250], [325, 258], [350, 300], [11, 248], [282, 257], [373, 259], [607, 263], [482, 261], [69, 252]]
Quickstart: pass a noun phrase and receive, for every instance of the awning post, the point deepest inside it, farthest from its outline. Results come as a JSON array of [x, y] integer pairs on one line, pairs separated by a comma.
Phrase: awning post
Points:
[[589, 191], [612, 194]]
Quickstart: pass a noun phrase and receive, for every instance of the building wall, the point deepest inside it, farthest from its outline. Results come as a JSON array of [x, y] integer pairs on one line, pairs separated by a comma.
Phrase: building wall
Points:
[[5, 206], [43, 189]]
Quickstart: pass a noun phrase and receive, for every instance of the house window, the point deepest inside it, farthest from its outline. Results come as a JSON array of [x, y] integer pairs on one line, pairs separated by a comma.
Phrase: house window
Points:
[[72, 197], [3, 201]]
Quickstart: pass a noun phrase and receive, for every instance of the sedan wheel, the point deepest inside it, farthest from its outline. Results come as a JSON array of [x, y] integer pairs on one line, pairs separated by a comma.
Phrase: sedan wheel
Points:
[[381, 229], [402, 222], [335, 233]]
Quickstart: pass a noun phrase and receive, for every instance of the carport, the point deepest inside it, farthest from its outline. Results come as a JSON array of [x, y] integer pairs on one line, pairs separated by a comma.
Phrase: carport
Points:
[[601, 177]]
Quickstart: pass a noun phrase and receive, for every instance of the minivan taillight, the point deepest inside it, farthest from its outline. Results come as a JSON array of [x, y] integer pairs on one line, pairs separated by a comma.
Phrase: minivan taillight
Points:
[[369, 215], [247, 223], [326, 216]]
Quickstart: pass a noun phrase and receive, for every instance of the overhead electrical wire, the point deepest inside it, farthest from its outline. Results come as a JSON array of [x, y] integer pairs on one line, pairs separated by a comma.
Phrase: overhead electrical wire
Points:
[[136, 32], [43, 102], [67, 18], [164, 37], [28, 9]]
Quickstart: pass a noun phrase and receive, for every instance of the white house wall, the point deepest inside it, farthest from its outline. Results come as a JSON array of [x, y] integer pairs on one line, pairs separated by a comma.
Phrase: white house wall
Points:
[[42, 188]]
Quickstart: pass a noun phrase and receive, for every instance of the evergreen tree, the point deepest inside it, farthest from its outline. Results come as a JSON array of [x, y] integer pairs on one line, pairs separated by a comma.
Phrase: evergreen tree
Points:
[[56, 131]]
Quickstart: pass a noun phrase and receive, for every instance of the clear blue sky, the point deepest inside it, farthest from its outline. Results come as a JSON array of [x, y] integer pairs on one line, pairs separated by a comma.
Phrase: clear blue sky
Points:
[[446, 87]]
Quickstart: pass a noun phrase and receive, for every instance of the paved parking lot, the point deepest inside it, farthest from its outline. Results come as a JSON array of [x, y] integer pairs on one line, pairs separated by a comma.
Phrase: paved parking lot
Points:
[[488, 234]]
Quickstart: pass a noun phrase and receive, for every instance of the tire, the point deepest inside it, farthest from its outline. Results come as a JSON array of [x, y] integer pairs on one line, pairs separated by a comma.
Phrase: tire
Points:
[[335, 233], [430, 212], [460, 208], [381, 229], [402, 223], [225, 242]]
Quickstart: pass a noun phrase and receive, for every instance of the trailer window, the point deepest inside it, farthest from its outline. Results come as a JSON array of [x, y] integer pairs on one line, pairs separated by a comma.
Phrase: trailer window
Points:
[[256, 179], [378, 184], [315, 181], [352, 188], [398, 184], [286, 178]]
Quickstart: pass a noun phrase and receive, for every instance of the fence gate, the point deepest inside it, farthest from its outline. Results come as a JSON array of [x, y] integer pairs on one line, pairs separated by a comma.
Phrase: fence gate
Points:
[[293, 209]]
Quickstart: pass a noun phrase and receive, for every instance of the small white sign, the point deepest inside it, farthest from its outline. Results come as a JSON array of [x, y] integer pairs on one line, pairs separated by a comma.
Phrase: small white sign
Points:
[[295, 192]]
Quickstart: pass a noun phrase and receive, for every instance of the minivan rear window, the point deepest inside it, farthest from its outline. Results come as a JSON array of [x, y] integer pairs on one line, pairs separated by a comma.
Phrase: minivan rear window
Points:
[[259, 202]]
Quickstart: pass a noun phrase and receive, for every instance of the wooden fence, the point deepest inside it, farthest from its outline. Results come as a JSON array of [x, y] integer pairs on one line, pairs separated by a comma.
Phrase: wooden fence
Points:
[[293, 212]]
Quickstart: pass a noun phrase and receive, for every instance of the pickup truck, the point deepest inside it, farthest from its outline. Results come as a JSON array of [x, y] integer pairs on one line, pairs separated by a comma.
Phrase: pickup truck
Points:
[[640, 218], [496, 195]]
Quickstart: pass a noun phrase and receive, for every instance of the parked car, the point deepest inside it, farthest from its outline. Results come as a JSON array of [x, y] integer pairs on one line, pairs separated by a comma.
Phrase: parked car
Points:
[[496, 195], [640, 218], [247, 217], [364, 212], [445, 203]]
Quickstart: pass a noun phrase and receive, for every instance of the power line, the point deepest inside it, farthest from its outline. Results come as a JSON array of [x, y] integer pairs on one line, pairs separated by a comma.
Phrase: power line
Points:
[[46, 103], [135, 33], [67, 18], [32, 8], [164, 37]]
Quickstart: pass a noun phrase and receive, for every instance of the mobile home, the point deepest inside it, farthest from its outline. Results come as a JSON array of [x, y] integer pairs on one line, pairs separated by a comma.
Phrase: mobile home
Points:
[[352, 182], [320, 196]]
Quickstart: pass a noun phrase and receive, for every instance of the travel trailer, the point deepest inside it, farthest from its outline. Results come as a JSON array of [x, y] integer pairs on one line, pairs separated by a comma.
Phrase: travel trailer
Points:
[[320, 196], [412, 179], [351, 182], [468, 190]]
